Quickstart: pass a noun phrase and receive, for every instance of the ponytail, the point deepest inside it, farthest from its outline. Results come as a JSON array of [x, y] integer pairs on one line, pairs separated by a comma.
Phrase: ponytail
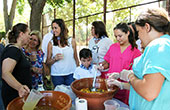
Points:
[[14, 33]]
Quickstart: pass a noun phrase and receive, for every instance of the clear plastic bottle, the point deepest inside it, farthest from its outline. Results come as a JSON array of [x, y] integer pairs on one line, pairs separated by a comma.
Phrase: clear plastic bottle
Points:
[[40, 86]]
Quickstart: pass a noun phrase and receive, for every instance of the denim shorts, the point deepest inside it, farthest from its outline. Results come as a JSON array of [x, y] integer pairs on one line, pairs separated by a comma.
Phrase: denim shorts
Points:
[[66, 80]]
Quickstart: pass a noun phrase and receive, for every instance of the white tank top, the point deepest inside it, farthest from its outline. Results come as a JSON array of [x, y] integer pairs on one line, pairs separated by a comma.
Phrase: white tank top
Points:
[[65, 66]]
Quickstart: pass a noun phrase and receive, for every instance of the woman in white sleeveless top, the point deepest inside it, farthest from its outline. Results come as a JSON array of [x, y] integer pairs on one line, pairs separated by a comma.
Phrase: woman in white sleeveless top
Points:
[[61, 54]]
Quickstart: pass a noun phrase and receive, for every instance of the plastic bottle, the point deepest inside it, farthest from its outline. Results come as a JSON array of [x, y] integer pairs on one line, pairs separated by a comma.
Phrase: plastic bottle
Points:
[[40, 86]]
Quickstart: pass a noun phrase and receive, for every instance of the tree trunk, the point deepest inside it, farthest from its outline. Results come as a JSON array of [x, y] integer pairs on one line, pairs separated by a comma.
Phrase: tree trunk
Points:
[[8, 19], [167, 6], [12, 13], [5, 10], [36, 12]]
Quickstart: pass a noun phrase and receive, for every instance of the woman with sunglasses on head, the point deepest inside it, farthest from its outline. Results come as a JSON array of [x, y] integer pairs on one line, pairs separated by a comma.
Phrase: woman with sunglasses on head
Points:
[[34, 52]]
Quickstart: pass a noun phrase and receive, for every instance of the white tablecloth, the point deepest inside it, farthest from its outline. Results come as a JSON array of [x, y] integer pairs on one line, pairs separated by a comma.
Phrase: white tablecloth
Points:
[[120, 102]]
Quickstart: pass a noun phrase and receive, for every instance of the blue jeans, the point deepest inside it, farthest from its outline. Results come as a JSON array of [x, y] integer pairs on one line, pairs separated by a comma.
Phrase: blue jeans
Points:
[[66, 80]]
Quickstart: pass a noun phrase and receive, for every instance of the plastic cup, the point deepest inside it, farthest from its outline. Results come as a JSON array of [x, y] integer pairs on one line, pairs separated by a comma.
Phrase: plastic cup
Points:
[[32, 100], [111, 105]]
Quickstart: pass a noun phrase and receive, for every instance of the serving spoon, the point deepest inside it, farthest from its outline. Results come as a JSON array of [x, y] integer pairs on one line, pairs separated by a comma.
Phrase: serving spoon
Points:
[[94, 82], [94, 79]]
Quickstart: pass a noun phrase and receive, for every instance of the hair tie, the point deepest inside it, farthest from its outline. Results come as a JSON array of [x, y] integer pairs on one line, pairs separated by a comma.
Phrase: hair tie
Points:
[[12, 32]]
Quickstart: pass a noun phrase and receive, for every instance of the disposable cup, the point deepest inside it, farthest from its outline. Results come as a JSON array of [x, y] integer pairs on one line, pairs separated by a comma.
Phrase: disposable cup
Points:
[[111, 105], [32, 100]]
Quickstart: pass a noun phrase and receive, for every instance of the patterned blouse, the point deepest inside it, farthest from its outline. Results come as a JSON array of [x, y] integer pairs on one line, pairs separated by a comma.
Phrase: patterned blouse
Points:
[[36, 62]]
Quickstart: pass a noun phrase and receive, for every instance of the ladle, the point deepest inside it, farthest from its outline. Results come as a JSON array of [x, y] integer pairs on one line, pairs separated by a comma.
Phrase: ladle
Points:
[[94, 79], [94, 82]]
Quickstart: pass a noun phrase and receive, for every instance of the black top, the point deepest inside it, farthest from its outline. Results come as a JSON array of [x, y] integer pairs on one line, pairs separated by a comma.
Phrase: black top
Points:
[[21, 72], [1, 49]]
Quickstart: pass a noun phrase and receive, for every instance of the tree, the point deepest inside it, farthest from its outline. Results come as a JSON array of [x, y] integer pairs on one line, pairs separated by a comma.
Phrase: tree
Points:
[[37, 7], [36, 12], [88, 7], [9, 17]]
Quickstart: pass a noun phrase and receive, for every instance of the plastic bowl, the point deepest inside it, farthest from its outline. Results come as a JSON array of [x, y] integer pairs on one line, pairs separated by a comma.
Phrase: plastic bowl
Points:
[[56, 99], [95, 100]]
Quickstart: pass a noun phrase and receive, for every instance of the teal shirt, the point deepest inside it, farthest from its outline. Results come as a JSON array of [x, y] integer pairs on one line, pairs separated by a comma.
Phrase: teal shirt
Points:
[[156, 58]]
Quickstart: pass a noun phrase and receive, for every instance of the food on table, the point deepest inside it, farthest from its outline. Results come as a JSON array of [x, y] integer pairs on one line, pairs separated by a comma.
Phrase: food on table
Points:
[[87, 90], [45, 107]]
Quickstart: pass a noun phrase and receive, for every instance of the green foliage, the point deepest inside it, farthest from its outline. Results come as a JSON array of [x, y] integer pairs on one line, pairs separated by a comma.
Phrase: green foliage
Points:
[[2, 34], [57, 3], [89, 7], [20, 6]]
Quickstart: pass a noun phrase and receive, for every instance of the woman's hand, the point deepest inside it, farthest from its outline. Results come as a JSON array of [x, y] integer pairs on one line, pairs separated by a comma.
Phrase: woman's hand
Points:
[[23, 91], [113, 75], [112, 82], [125, 75], [58, 56]]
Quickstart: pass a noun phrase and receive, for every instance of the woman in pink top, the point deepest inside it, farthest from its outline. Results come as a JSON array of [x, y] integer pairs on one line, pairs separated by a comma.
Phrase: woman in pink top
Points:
[[121, 55]]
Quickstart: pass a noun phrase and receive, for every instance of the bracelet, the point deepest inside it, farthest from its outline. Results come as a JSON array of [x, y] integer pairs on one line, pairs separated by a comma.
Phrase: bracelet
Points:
[[130, 77], [54, 59]]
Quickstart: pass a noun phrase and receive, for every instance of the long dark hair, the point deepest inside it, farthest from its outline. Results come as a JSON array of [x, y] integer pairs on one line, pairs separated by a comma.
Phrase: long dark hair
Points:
[[63, 34], [14, 33], [135, 33], [99, 28], [125, 28]]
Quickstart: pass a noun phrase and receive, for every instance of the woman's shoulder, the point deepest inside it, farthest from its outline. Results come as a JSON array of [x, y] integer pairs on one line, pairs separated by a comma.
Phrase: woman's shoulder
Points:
[[11, 47], [107, 39], [11, 51], [91, 40]]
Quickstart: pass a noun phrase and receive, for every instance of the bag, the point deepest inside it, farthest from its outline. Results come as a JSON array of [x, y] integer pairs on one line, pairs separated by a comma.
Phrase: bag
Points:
[[48, 85], [66, 89], [46, 69]]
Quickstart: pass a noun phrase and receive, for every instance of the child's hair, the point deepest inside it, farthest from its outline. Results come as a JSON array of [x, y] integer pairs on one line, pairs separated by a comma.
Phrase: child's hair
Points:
[[85, 53]]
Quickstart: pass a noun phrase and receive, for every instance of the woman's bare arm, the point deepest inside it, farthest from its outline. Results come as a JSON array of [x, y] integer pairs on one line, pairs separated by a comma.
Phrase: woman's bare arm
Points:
[[75, 51], [8, 65], [149, 87], [50, 60]]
